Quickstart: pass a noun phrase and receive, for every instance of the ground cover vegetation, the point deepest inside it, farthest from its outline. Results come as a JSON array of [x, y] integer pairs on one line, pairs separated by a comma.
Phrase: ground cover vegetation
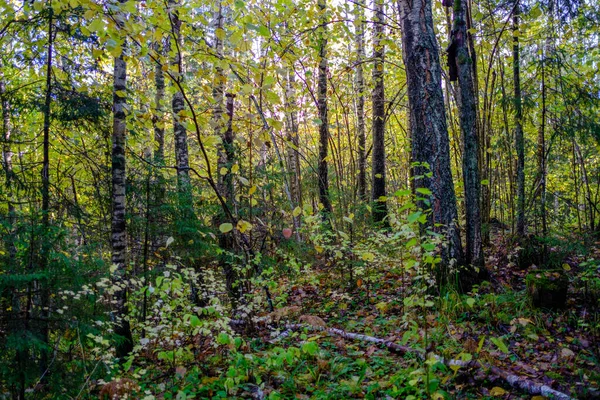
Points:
[[276, 199]]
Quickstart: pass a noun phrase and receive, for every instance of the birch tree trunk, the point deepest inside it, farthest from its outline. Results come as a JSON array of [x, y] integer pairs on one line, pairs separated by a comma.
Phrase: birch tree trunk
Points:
[[458, 54], [293, 158], [177, 104], [359, 22], [225, 156], [429, 132], [322, 106], [119, 206], [378, 180], [7, 155]]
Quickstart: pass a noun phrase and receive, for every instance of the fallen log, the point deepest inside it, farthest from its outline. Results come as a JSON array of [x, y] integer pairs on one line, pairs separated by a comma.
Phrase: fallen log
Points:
[[526, 385]]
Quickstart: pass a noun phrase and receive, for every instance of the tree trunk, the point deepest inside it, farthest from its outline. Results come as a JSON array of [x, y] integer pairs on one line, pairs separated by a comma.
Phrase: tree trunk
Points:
[[322, 106], [10, 295], [458, 53], [360, 103], [225, 158], [157, 188], [119, 206], [430, 143], [177, 103], [159, 127], [519, 141], [379, 206], [45, 240], [293, 156], [7, 155], [542, 154]]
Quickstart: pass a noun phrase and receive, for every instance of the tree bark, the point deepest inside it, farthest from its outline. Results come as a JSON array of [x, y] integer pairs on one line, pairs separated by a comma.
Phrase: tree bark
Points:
[[293, 156], [45, 240], [157, 197], [541, 154], [7, 164], [159, 127], [360, 103], [458, 53], [378, 160], [178, 106], [119, 205], [322, 106], [429, 132], [519, 141]]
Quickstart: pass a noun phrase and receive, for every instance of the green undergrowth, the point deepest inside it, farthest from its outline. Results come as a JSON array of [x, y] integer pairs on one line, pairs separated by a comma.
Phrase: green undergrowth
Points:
[[381, 285]]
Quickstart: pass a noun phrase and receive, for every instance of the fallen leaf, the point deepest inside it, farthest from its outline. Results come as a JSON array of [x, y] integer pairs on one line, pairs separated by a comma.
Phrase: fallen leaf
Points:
[[312, 320], [565, 352], [497, 391]]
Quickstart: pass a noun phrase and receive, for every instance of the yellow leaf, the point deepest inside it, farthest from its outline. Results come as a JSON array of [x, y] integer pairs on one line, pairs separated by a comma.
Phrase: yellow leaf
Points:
[[566, 267], [297, 211], [367, 256], [243, 226], [497, 391]]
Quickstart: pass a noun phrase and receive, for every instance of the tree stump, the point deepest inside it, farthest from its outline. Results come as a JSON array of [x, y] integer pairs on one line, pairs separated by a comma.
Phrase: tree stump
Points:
[[548, 289]]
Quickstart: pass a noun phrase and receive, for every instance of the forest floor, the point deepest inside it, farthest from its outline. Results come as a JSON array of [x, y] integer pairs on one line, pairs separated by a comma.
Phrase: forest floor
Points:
[[494, 325]]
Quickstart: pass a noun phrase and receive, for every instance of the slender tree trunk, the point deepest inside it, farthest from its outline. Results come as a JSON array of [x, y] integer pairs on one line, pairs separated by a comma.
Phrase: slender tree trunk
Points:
[[293, 155], [11, 294], [119, 205], [157, 197], [542, 154], [159, 98], [519, 141], [359, 22], [378, 191], [44, 251], [225, 156], [458, 53], [177, 103], [430, 143], [322, 106], [509, 149], [7, 156]]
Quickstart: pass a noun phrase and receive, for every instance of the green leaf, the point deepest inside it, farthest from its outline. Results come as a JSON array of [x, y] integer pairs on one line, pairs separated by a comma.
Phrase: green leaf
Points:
[[500, 344], [96, 25], [226, 227], [310, 348], [195, 321], [264, 31], [223, 338], [414, 217]]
